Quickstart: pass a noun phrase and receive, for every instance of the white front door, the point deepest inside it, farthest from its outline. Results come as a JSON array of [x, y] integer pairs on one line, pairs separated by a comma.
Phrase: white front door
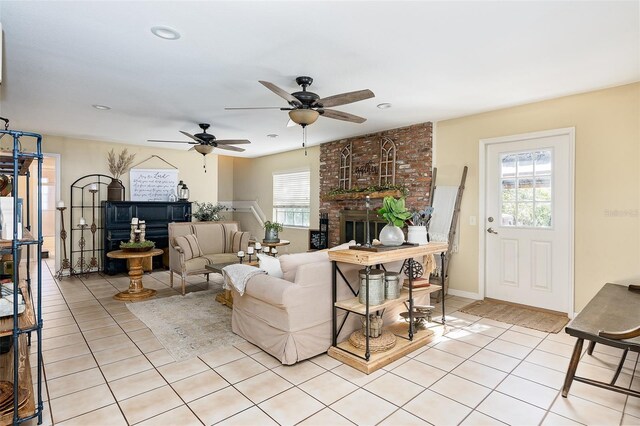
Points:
[[528, 219]]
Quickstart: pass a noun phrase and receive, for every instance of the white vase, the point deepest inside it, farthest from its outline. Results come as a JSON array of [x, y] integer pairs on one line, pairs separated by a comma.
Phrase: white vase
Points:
[[391, 235], [417, 235]]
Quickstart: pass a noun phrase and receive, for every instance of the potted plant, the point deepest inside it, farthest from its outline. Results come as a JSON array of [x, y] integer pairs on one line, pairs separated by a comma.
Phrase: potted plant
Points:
[[418, 226], [117, 167], [208, 212], [396, 214], [271, 230]]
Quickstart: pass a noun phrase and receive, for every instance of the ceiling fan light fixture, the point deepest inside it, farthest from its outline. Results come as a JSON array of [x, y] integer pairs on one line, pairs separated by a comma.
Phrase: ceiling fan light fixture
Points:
[[165, 33], [204, 149], [304, 117]]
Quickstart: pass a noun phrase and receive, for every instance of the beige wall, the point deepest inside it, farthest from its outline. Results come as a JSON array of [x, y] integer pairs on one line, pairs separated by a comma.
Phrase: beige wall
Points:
[[252, 181], [607, 179], [79, 157]]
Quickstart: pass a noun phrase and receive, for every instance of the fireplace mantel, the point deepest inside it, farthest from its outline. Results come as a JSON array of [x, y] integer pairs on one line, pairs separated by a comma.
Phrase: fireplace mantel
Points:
[[361, 195]]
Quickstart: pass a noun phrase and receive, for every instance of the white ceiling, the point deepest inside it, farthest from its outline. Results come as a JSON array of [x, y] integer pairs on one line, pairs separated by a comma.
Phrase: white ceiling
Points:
[[431, 60]]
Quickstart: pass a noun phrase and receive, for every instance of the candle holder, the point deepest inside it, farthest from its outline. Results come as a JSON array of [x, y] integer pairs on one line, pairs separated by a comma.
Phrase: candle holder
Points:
[[241, 256], [274, 252], [367, 205], [64, 265], [81, 266], [250, 253], [93, 263]]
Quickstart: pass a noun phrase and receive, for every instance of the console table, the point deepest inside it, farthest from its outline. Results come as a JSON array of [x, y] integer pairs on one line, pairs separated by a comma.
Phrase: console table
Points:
[[408, 338]]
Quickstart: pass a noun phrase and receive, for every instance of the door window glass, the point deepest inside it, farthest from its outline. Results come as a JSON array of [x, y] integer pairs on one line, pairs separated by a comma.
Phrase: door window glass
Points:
[[526, 189]]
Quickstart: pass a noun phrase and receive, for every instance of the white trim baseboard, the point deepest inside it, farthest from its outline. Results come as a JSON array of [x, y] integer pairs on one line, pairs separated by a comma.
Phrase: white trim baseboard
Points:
[[462, 293]]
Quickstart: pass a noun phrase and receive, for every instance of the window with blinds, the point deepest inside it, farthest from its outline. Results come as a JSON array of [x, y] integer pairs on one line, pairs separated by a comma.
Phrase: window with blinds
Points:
[[291, 196]]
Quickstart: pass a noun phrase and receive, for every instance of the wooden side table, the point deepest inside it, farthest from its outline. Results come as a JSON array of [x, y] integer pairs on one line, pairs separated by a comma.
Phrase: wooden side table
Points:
[[281, 243], [136, 291]]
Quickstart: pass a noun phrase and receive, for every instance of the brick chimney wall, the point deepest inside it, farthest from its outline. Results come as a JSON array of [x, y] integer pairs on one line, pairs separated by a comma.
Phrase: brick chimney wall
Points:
[[413, 169]]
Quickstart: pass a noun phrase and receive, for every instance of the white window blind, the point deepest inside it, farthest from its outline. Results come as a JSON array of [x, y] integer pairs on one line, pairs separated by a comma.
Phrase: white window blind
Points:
[[291, 197]]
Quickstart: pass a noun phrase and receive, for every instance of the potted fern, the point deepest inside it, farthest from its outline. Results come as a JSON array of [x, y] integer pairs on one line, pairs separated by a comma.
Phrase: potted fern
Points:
[[396, 214]]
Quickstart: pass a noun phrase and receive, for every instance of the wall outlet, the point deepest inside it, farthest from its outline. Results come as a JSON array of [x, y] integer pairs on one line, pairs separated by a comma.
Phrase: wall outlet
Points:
[[472, 221]]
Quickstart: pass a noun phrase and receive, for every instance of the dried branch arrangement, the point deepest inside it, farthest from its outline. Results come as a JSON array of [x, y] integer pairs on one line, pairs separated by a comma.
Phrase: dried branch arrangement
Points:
[[118, 165]]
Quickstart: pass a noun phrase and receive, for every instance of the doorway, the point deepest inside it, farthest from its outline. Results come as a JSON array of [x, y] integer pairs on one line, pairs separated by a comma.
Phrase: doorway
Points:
[[526, 218]]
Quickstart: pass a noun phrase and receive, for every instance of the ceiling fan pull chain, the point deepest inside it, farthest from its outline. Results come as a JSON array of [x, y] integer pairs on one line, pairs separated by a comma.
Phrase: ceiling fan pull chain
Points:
[[204, 163], [304, 139]]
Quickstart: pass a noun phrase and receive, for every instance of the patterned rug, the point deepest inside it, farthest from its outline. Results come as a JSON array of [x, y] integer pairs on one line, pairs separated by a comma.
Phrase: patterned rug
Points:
[[523, 316], [189, 325]]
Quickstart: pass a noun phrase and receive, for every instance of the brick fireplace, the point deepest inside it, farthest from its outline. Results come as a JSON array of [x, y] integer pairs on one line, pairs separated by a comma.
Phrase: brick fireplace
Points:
[[413, 162]]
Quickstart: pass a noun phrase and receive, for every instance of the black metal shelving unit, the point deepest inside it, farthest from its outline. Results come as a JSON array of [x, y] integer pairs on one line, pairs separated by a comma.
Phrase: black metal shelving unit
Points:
[[15, 364]]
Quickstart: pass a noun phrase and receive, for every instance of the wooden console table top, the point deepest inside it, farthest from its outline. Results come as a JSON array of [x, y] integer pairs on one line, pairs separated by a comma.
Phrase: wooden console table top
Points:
[[369, 258]]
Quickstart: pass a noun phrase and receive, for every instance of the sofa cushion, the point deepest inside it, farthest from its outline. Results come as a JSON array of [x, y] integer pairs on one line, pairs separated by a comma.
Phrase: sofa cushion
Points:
[[270, 264], [290, 262], [218, 258], [212, 237], [189, 245], [239, 241]]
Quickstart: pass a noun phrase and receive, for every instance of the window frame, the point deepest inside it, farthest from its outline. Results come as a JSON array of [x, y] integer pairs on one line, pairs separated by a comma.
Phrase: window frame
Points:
[[277, 208]]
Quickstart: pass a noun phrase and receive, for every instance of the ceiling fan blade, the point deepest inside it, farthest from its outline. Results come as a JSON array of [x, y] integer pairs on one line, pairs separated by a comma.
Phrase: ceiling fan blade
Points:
[[193, 137], [235, 108], [344, 116], [232, 141], [231, 148], [280, 92], [156, 140], [345, 98], [291, 123]]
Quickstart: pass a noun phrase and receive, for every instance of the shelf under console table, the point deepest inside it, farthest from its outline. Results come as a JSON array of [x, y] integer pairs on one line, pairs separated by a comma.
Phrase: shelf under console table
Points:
[[409, 339]]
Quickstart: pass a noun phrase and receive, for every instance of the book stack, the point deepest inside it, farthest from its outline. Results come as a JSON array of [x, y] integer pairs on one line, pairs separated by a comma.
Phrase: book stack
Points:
[[418, 283]]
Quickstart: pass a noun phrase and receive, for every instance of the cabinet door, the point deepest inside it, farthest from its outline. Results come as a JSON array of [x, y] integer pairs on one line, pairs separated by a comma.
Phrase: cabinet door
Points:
[[180, 212], [119, 214]]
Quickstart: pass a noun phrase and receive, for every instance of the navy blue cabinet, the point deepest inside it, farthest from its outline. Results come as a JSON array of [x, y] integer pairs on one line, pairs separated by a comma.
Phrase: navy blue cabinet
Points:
[[156, 214]]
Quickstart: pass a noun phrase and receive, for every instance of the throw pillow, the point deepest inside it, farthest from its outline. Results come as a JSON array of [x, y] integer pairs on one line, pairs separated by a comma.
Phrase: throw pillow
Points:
[[270, 265], [189, 245]]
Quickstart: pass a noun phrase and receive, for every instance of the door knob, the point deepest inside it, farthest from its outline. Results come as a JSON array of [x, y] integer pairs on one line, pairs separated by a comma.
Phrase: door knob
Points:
[[491, 231]]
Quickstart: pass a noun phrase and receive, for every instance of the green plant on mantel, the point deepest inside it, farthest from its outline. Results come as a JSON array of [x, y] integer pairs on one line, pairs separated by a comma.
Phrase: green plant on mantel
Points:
[[369, 189]]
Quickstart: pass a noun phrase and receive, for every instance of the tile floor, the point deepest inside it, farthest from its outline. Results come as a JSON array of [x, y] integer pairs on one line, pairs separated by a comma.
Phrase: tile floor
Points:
[[104, 367]]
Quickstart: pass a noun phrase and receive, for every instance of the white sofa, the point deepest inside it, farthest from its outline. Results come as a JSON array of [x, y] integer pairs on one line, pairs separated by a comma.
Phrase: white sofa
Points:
[[290, 317]]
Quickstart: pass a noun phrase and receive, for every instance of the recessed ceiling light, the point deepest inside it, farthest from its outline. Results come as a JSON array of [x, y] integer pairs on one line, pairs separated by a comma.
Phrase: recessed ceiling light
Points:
[[384, 105], [272, 135], [101, 107], [165, 33]]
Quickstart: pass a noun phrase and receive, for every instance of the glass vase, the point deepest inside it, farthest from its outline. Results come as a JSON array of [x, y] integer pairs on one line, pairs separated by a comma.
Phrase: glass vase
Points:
[[391, 235]]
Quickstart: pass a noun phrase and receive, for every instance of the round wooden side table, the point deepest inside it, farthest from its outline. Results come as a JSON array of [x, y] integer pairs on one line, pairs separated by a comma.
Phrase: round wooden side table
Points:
[[136, 291]]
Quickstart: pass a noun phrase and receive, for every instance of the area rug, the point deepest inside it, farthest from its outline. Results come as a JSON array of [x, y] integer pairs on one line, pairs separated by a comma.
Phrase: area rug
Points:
[[189, 325], [545, 321]]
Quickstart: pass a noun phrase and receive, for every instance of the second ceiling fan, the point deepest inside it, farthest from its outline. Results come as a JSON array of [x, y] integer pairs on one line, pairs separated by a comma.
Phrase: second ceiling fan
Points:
[[305, 107]]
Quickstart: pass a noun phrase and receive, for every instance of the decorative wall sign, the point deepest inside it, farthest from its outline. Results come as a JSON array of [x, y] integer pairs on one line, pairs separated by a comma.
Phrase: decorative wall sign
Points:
[[367, 169], [152, 184]]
